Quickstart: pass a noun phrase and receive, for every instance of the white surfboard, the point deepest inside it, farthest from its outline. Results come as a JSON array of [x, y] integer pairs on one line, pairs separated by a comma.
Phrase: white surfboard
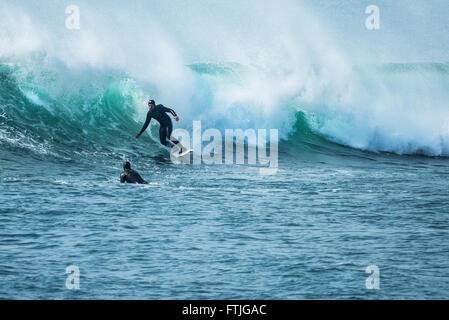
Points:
[[182, 154]]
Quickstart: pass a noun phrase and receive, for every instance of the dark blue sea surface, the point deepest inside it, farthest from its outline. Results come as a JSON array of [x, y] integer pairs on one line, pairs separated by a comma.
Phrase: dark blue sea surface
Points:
[[225, 232]]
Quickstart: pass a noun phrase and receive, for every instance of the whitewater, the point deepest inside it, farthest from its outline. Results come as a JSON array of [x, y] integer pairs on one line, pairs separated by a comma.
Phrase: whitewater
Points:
[[362, 177]]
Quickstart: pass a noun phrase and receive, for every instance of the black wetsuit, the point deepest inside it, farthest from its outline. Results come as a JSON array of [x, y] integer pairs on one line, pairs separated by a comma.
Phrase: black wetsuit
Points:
[[131, 176], [159, 113]]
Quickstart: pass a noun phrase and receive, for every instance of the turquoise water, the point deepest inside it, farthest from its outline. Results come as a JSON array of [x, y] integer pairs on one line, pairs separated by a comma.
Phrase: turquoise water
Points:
[[363, 167]]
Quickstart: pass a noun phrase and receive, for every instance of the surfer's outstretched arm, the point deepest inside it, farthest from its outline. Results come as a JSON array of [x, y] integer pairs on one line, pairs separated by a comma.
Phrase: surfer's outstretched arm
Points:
[[172, 112], [145, 126]]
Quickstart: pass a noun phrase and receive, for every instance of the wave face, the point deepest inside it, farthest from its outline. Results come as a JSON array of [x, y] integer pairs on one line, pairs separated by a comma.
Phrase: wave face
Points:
[[70, 92], [60, 113]]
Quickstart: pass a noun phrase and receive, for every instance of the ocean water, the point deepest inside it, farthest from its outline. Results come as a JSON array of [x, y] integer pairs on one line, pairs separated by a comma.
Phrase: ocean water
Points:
[[362, 177], [221, 232]]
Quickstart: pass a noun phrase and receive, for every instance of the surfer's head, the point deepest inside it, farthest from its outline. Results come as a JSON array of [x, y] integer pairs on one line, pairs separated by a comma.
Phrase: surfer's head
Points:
[[151, 104], [126, 165]]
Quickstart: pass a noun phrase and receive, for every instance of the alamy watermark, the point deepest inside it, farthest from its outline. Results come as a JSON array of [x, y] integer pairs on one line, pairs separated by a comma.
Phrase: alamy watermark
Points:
[[373, 281], [73, 279], [372, 22], [261, 149], [72, 22]]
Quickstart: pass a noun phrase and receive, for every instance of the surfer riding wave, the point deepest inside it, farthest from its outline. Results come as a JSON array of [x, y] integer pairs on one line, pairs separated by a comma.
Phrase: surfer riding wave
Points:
[[159, 113]]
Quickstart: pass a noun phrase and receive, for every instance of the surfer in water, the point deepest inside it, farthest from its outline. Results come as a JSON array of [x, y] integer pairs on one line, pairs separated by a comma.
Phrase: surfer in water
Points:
[[159, 112], [131, 176]]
